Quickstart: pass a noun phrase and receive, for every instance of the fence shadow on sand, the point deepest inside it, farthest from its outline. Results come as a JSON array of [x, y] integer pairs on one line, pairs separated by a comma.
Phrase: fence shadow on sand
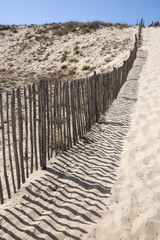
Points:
[[72, 193]]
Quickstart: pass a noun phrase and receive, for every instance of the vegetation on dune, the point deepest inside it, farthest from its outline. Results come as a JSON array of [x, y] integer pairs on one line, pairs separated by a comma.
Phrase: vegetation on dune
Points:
[[61, 29], [55, 51], [156, 24]]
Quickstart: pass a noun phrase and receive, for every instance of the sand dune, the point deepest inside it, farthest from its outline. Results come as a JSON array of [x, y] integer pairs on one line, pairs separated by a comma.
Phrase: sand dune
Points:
[[35, 53], [107, 187]]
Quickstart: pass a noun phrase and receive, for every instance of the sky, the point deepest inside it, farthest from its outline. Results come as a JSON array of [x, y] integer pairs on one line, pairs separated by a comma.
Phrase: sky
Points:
[[21, 12]]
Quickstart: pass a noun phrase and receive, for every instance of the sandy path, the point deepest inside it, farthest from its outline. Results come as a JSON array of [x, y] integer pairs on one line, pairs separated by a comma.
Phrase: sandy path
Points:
[[134, 207], [72, 198]]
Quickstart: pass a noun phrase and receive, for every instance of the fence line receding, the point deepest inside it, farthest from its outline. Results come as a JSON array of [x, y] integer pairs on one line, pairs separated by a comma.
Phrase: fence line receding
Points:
[[37, 121]]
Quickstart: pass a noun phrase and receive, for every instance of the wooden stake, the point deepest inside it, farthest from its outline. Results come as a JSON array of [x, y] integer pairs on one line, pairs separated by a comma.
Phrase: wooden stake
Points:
[[3, 148], [15, 139], [20, 123], [35, 125], [26, 132], [9, 143]]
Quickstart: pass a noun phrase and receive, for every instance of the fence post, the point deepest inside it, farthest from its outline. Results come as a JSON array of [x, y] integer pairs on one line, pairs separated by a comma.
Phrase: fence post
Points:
[[26, 132], [64, 116], [20, 123], [96, 94], [69, 139], [31, 126], [15, 139], [42, 123], [48, 118], [3, 148], [74, 131], [135, 45], [51, 118], [1, 193], [35, 125], [43, 102], [84, 104], [9, 143]]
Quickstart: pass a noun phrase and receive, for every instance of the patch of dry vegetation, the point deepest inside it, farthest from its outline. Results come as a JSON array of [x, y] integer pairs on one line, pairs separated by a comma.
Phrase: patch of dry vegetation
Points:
[[155, 24]]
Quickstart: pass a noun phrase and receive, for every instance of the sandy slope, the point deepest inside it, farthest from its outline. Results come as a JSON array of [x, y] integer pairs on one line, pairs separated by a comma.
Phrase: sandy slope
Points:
[[72, 199], [27, 56]]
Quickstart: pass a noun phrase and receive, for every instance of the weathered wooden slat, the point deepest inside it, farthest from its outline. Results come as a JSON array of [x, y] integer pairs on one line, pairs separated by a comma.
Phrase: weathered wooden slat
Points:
[[64, 117], [92, 100], [112, 86], [40, 120], [9, 142], [86, 103], [96, 97], [66, 105], [26, 132], [107, 91], [110, 89], [80, 106], [31, 126], [119, 79], [3, 149], [73, 113], [20, 126], [55, 118], [104, 94], [51, 118], [48, 119], [43, 105], [89, 103], [76, 107], [68, 115], [15, 138], [35, 125], [58, 117], [95, 90], [100, 95], [1, 192], [60, 114], [116, 82], [135, 47], [124, 71], [83, 105]]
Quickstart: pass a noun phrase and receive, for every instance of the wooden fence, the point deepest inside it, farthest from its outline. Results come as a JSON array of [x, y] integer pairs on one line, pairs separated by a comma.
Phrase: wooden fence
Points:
[[39, 121]]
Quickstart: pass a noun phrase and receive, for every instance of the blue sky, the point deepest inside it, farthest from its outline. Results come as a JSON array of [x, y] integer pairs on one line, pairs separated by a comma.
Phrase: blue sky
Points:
[[48, 11]]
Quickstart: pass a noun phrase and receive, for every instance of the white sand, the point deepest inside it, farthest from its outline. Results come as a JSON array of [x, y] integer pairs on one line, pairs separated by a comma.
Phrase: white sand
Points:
[[73, 200], [134, 207]]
